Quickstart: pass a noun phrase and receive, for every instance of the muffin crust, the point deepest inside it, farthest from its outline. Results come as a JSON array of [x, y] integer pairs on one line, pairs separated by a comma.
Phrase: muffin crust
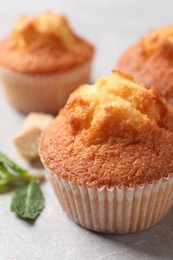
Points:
[[113, 133], [150, 61], [43, 44]]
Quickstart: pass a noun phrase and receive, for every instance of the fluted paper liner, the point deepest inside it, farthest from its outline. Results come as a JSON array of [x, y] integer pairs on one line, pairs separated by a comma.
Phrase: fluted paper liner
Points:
[[114, 210], [42, 93]]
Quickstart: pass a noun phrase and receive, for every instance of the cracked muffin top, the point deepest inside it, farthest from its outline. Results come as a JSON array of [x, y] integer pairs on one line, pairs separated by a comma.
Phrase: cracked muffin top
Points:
[[113, 133], [150, 61], [43, 44], [156, 37]]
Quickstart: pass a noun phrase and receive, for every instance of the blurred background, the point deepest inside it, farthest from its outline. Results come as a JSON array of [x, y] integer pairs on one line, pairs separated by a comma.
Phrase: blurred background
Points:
[[112, 25]]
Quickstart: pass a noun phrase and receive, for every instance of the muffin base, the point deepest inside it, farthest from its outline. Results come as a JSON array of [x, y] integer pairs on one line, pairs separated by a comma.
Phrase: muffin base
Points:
[[42, 93], [114, 210]]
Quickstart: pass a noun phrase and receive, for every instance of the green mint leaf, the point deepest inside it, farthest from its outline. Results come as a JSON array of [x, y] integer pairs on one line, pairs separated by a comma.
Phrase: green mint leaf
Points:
[[8, 163], [28, 201], [12, 175]]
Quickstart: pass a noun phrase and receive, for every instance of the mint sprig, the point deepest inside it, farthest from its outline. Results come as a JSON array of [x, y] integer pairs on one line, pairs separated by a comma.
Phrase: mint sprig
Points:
[[28, 200], [12, 175]]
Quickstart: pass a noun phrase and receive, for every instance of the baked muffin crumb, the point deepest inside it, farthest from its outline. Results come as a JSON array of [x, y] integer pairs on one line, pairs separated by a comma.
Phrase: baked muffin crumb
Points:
[[113, 133], [41, 44], [150, 61]]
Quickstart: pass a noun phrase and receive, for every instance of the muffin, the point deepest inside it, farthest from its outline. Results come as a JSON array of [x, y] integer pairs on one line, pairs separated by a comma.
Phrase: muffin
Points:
[[42, 61], [150, 61], [109, 156]]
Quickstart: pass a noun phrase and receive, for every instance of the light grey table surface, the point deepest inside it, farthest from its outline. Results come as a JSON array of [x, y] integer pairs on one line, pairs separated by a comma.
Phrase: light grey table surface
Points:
[[111, 25]]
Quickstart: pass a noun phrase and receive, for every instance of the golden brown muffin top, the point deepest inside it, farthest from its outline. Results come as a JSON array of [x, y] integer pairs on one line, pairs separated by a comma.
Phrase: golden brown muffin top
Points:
[[156, 37], [113, 133], [43, 44], [150, 61]]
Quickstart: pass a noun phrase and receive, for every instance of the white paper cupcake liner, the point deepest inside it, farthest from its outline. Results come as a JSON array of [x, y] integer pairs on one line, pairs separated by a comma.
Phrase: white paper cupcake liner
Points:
[[113, 210], [41, 93]]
